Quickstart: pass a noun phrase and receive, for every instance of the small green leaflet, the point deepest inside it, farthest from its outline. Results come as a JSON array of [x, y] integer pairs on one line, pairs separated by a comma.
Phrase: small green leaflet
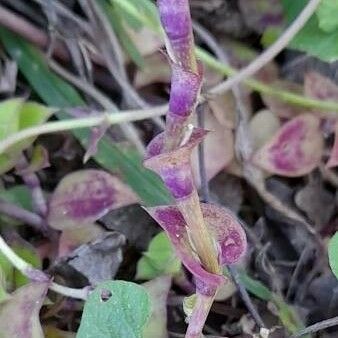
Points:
[[318, 37], [160, 259], [327, 14], [333, 254], [16, 115], [115, 309]]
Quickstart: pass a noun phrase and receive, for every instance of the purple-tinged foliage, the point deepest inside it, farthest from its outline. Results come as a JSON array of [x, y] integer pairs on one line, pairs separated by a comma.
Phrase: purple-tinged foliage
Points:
[[174, 166], [295, 150], [333, 160], [185, 87], [223, 226], [96, 135], [82, 197], [176, 21], [19, 316]]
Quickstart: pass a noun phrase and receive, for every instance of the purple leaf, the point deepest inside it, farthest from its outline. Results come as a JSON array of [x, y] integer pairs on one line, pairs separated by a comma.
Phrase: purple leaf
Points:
[[19, 316], [320, 87], [176, 21], [295, 150], [224, 228], [333, 160], [82, 197], [172, 221], [174, 166], [96, 134]]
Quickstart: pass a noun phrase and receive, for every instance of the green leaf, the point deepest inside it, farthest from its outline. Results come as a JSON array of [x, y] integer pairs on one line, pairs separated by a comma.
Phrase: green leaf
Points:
[[3, 286], [13, 276], [29, 255], [312, 39], [160, 259], [56, 92], [256, 287], [327, 15], [115, 309], [143, 12], [116, 20], [9, 122], [333, 254], [9, 117], [18, 195], [14, 116], [286, 313]]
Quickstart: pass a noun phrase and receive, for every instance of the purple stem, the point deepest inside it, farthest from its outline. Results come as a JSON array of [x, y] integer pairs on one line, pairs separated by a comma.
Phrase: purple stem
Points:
[[23, 215], [176, 21], [33, 183], [199, 315]]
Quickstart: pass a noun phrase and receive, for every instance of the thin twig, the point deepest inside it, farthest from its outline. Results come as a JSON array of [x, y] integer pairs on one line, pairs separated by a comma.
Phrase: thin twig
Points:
[[201, 157], [325, 324], [245, 296], [37, 275], [303, 259], [23, 215], [128, 129], [270, 53], [86, 122], [33, 183], [65, 12], [36, 36], [22, 27]]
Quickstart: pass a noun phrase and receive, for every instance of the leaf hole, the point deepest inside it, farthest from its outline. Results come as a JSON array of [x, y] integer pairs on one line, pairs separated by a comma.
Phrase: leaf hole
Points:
[[105, 295]]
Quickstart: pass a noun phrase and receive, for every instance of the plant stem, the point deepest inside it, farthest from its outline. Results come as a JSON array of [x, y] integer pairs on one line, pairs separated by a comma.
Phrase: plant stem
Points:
[[197, 230], [33, 183], [37, 275], [317, 327], [245, 296], [128, 129], [270, 53], [86, 122], [232, 269], [22, 215], [199, 316]]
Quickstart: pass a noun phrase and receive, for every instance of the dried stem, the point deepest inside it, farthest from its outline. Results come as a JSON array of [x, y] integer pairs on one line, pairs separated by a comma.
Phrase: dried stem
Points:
[[110, 47], [199, 234], [86, 122], [33, 183], [270, 53], [22, 215], [37, 275], [33, 34], [199, 316], [325, 324], [128, 129]]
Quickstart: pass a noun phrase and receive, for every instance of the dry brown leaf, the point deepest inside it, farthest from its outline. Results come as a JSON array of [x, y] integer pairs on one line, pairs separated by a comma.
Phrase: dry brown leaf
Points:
[[282, 108], [219, 148], [262, 127]]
